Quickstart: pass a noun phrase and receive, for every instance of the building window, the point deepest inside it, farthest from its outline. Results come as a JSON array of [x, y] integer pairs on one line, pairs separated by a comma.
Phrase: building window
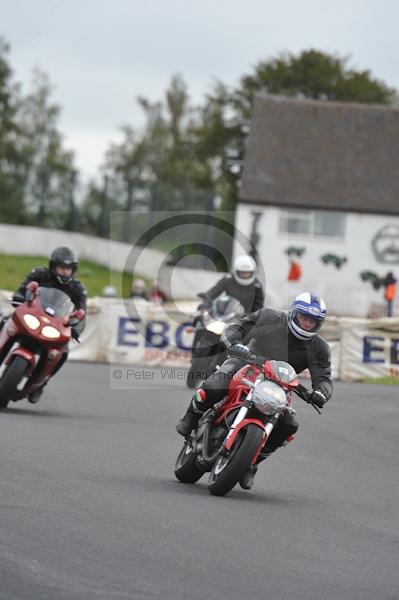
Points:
[[323, 223]]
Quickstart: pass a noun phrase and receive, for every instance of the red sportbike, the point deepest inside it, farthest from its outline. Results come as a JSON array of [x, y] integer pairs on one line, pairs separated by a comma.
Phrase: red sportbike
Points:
[[231, 435], [33, 340]]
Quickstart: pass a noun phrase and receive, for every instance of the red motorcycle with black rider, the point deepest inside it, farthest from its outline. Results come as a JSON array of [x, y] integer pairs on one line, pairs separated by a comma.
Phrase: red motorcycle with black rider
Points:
[[232, 435], [33, 341]]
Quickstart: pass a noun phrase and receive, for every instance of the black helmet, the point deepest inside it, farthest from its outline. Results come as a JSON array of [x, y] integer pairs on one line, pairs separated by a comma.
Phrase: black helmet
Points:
[[63, 257]]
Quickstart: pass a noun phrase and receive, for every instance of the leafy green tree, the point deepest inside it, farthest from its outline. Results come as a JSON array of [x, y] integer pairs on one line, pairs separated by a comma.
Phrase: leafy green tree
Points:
[[96, 207], [51, 176], [12, 163], [312, 74], [158, 166], [219, 143], [178, 181]]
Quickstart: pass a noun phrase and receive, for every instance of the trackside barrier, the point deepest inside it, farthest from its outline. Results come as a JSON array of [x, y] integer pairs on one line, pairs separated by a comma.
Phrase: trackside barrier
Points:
[[161, 335], [369, 348]]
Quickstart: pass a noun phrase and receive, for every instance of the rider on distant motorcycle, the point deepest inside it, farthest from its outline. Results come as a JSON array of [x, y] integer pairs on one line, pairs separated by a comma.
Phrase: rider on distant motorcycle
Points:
[[63, 266], [292, 338], [241, 284]]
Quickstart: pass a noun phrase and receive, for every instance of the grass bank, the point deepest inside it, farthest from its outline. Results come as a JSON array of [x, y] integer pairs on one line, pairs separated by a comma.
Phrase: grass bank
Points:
[[382, 380], [13, 269]]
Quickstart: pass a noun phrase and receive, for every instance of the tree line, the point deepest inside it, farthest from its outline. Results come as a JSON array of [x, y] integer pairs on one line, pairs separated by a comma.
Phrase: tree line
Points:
[[185, 156]]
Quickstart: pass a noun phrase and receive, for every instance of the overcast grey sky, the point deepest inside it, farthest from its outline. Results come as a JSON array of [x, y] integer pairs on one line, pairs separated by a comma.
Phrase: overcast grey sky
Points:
[[101, 55]]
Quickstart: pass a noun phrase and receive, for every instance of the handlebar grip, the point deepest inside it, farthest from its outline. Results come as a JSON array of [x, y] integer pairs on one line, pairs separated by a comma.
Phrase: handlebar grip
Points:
[[250, 358], [17, 299], [303, 393]]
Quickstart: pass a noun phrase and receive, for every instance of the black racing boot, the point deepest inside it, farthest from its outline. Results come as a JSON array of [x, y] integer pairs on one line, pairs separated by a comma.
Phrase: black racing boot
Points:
[[189, 420], [35, 396], [247, 480]]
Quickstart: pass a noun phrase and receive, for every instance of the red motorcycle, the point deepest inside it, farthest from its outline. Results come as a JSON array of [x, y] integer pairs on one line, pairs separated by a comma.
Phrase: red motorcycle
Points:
[[33, 340], [231, 435]]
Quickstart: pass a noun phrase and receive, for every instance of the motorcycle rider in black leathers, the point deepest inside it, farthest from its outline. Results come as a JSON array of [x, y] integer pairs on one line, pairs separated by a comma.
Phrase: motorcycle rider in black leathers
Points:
[[60, 274], [276, 336], [241, 284]]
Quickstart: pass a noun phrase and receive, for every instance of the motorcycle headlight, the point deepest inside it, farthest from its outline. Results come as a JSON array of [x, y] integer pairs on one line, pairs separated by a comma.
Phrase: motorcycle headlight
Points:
[[269, 398], [50, 332], [216, 327], [31, 321]]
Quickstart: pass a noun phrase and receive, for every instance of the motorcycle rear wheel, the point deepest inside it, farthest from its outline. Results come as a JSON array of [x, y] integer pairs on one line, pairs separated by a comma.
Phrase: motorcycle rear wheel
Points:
[[227, 471], [186, 468], [11, 378]]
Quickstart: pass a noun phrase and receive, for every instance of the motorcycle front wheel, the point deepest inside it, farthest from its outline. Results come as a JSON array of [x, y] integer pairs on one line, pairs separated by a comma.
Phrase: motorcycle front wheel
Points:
[[11, 378], [186, 468], [228, 470]]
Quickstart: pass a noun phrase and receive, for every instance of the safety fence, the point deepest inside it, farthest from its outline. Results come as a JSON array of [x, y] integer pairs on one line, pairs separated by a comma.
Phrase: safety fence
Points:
[[139, 333]]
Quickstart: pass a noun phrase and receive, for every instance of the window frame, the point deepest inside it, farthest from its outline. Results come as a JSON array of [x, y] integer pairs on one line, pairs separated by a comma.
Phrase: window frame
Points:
[[309, 216]]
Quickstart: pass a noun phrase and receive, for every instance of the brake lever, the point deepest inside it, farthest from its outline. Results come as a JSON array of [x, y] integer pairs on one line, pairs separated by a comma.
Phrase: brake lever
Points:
[[304, 394]]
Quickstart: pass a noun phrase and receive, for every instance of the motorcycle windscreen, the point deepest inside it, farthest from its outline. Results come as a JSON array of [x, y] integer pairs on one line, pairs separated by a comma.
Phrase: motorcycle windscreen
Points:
[[54, 302], [279, 370], [226, 307]]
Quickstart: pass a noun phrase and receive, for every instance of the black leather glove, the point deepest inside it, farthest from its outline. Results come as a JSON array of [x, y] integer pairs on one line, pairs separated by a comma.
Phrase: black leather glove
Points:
[[239, 350], [205, 305], [196, 320], [206, 302], [318, 398]]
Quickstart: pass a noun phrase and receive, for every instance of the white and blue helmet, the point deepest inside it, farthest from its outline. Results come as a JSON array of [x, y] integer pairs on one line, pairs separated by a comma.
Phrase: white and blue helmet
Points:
[[308, 304]]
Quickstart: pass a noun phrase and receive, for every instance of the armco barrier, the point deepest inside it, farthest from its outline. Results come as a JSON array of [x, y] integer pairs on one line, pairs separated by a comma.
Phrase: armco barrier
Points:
[[149, 334]]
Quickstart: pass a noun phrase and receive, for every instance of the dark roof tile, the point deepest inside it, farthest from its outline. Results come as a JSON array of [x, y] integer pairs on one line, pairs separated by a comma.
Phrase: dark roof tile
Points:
[[326, 155]]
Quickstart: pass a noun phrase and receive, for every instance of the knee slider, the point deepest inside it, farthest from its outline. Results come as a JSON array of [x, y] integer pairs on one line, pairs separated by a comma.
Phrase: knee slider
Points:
[[199, 400]]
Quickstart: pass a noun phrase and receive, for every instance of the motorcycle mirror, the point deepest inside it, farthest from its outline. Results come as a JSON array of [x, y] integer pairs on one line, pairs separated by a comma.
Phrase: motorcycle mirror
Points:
[[32, 286], [29, 296]]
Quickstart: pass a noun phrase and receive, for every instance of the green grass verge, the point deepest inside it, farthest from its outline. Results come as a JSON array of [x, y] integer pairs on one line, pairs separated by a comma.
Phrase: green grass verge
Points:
[[382, 380], [13, 269]]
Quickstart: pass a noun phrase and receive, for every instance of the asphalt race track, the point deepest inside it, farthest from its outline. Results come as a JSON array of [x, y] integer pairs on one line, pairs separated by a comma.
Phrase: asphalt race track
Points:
[[90, 508]]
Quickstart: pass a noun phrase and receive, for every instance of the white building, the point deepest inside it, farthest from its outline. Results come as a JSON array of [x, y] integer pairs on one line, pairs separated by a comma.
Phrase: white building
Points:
[[322, 179]]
